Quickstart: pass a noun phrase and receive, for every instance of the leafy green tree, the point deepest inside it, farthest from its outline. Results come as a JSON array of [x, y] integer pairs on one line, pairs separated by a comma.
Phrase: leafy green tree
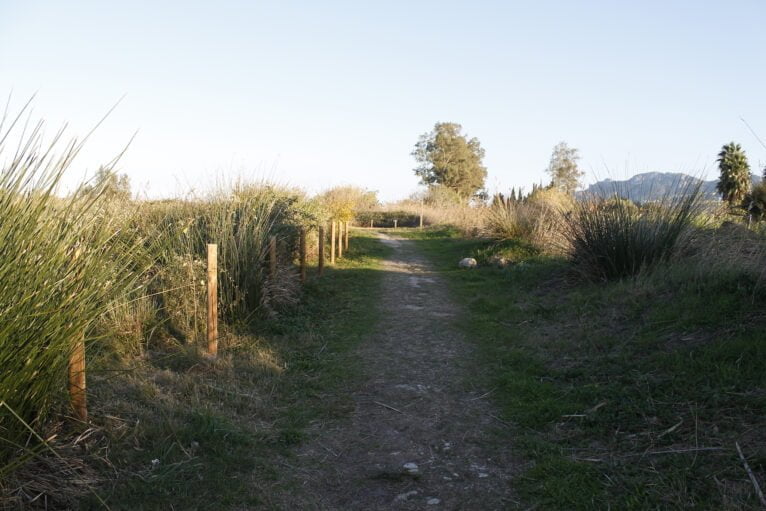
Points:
[[565, 175], [448, 158], [734, 182]]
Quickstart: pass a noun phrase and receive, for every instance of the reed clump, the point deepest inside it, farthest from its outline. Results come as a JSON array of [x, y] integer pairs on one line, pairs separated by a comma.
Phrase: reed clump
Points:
[[615, 238], [127, 276]]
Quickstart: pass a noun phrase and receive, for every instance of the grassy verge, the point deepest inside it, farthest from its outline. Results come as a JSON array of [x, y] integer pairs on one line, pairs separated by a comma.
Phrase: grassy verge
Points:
[[629, 395], [180, 432]]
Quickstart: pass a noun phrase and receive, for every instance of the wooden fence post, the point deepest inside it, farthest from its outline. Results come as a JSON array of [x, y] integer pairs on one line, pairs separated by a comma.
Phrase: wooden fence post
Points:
[[371, 223], [332, 243], [395, 222], [212, 299], [321, 249], [273, 257], [303, 254], [347, 224], [421, 218], [77, 394]]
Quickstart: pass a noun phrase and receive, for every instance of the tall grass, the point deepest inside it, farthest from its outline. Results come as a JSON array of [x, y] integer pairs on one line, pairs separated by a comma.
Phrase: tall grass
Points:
[[615, 238], [535, 222], [62, 262], [118, 272]]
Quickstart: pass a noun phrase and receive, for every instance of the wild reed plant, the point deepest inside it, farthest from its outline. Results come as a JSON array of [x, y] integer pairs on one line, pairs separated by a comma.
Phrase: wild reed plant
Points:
[[614, 238], [90, 266], [62, 263]]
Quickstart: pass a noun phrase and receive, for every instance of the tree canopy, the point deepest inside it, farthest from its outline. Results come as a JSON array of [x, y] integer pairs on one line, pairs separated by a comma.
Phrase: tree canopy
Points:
[[565, 175], [111, 184], [448, 158], [734, 182]]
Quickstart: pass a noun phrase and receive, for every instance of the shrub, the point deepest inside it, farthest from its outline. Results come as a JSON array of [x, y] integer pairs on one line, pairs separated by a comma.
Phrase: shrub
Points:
[[536, 219], [343, 202], [613, 238]]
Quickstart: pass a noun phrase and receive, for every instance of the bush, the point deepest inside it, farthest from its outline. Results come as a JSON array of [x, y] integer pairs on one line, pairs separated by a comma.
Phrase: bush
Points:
[[536, 219], [613, 238], [343, 202]]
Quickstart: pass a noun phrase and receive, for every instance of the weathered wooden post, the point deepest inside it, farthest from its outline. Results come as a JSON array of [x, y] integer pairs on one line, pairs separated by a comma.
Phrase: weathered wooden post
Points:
[[77, 394], [273, 257], [321, 249], [340, 239], [212, 299], [395, 222], [347, 226], [371, 223], [332, 243], [303, 254], [77, 387]]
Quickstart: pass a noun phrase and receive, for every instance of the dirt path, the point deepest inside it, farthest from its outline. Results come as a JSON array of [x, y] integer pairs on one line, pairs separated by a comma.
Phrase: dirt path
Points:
[[419, 437]]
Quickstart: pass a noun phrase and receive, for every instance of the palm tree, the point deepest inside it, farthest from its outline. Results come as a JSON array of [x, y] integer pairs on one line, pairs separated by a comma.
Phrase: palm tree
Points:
[[734, 183]]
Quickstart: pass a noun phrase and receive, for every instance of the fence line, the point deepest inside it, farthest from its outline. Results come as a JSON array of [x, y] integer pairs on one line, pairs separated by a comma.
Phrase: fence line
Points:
[[77, 368]]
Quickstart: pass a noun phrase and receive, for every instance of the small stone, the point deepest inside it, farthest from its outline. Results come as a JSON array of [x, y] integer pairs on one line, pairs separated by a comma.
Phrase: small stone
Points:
[[499, 261], [411, 468], [433, 501], [467, 262], [405, 496], [482, 475]]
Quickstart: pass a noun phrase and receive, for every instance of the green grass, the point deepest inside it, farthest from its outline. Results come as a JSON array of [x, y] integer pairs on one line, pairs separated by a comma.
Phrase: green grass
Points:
[[606, 383], [217, 430]]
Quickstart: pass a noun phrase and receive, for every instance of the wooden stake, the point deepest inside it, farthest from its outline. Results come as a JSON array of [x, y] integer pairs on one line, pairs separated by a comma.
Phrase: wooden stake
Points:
[[421, 218], [273, 257], [395, 222], [77, 394], [332, 243], [340, 240], [321, 250], [212, 299], [303, 254], [371, 223], [346, 247]]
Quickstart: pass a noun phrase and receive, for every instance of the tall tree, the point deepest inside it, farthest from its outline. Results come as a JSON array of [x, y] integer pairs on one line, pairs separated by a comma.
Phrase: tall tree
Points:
[[734, 182], [448, 158], [111, 184], [565, 175]]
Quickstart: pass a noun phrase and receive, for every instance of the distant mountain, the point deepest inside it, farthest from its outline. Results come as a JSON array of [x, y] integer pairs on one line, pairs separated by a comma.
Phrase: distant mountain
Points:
[[652, 186]]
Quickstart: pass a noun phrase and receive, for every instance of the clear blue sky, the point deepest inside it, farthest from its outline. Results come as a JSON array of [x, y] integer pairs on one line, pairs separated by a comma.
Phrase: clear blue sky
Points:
[[321, 93]]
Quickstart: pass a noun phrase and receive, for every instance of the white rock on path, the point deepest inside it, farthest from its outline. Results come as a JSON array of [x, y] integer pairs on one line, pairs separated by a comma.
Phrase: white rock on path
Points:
[[411, 468], [467, 262], [433, 501], [405, 496]]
